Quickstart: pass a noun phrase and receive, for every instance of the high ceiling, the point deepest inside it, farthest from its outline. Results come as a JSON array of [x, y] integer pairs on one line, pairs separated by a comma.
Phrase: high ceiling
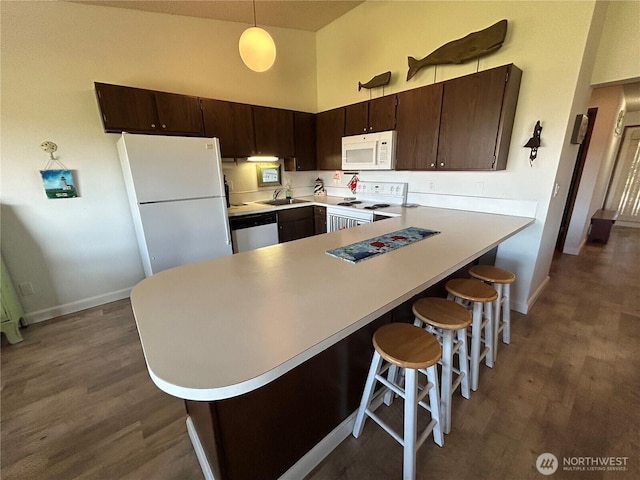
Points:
[[309, 15]]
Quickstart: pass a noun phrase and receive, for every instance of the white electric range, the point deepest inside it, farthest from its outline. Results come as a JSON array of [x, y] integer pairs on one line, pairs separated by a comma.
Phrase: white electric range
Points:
[[369, 198]]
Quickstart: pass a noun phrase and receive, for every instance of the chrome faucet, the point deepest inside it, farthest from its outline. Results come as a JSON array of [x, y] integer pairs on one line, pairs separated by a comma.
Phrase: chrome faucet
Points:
[[276, 192]]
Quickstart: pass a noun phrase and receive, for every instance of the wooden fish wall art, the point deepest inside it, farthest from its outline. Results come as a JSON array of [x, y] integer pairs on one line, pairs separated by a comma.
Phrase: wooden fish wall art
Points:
[[377, 81], [474, 45]]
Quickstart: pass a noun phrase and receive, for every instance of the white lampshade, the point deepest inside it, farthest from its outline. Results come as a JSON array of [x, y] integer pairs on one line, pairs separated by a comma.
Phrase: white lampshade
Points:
[[257, 49]]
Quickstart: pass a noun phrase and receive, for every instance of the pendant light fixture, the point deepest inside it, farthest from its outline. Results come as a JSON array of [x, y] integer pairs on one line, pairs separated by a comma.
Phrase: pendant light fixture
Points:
[[257, 48]]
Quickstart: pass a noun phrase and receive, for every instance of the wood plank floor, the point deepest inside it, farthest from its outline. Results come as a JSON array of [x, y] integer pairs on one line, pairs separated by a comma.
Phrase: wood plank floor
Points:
[[77, 401]]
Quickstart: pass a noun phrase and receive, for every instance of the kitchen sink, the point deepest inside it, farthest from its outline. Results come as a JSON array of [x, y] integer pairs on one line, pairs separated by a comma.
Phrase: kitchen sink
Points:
[[283, 201]]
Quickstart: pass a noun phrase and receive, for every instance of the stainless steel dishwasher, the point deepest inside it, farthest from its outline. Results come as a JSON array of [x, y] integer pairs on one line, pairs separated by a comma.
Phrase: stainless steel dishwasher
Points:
[[252, 231]]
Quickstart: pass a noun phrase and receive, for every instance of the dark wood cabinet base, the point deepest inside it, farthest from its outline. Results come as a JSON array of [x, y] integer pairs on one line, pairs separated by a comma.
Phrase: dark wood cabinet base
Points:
[[263, 433]]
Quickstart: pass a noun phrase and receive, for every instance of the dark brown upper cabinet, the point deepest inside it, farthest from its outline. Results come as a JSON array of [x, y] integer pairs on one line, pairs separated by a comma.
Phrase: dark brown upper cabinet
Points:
[[418, 123], [477, 118], [329, 133], [304, 130], [232, 123], [273, 131], [376, 115], [138, 110]]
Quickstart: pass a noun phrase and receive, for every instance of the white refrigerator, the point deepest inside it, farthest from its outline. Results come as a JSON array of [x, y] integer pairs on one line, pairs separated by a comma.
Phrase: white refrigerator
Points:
[[177, 198]]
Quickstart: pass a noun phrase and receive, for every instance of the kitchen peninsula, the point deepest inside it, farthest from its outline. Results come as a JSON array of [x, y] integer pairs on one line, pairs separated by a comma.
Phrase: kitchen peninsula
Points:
[[269, 348]]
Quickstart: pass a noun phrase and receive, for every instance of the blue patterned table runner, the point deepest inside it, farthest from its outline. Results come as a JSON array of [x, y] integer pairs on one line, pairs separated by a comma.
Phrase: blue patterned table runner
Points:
[[378, 245]]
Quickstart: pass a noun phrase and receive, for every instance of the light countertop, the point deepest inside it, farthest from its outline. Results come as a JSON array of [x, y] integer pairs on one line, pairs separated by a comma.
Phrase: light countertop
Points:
[[247, 208], [220, 328]]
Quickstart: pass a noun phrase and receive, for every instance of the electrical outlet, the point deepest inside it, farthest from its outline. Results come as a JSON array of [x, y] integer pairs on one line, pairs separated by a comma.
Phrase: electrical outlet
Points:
[[26, 289]]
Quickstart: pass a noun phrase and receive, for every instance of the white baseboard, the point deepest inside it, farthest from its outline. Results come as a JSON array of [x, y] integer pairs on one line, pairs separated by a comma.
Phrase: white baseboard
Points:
[[575, 250], [197, 446], [533, 298], [318, 453], [73, 307]]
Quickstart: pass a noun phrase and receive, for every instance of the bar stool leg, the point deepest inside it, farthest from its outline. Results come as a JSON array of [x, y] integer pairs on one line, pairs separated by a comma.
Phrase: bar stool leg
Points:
[[506, 314], [488, 334], [497, 318], [410, 423], [367, 394], [434, 401], [464, 362], [447, 375], [476, 326], [392, 376]]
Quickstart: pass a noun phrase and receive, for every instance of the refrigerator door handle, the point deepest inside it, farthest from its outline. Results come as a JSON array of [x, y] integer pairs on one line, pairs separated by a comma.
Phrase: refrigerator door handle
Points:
[[216, 147], [227, 231]]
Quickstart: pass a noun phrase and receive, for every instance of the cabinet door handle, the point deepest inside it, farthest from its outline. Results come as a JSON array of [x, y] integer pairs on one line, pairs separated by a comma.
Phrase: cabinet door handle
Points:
[[153, 125], [442, 164], [164, 126], [370, 128], [433, 165]]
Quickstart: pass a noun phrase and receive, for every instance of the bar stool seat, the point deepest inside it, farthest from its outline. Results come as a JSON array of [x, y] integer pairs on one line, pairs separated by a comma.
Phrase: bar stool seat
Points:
[[480, 297], [501, 280], [448, 321], [414, 350]]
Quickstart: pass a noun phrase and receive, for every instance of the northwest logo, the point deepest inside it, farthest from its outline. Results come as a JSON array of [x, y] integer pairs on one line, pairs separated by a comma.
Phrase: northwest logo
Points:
[[547, 463]]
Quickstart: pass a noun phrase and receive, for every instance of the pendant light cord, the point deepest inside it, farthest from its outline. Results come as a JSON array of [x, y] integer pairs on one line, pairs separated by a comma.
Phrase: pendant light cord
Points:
[[254, 14]]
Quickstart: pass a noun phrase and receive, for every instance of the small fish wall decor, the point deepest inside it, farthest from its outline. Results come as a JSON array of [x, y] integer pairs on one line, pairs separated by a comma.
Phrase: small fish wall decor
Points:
[[474, 45], [377, 81]]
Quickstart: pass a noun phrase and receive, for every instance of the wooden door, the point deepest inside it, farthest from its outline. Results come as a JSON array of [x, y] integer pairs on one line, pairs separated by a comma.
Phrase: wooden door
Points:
[[382, 114], [356, 119], [329, 133], [304, 130], [470, 120], [178, 113], [126, 108], [295, 223], [319, 220], [274, 131], [418, 125], [232, 124], [576, 176]]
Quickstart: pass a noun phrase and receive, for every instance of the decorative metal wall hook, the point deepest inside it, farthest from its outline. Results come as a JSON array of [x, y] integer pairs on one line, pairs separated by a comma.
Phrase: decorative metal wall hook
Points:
[[49, 147], [534, 142]]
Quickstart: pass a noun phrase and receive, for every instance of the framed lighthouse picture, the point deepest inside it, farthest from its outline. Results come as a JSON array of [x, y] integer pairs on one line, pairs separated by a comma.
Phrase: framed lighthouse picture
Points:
[[58, 183]]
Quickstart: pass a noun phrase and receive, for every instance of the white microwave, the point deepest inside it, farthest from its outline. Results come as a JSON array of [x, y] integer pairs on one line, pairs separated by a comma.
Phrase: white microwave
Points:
[[370, 151]]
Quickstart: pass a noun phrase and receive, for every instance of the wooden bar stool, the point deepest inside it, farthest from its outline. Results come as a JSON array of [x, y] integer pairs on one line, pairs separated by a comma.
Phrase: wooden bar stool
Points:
[[414, 350], [481, 297], [501, 280], [448, 321]]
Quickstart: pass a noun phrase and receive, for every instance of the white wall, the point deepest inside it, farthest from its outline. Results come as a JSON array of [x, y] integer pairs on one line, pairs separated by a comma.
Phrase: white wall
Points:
[[82, 252], [632, 118], [619, 51], [554, 86]]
